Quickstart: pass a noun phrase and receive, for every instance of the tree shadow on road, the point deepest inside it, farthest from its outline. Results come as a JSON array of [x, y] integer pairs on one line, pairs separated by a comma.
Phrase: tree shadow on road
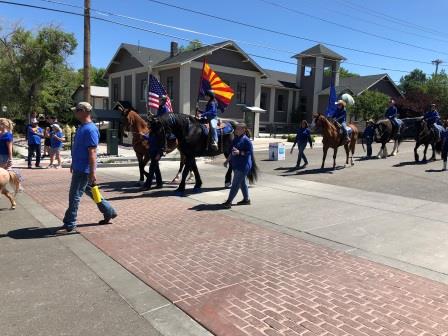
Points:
[[126, 187]]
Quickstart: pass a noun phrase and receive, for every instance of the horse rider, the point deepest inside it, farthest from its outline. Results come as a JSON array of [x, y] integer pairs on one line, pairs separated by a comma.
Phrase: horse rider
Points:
[[392, 115], [162, 106], [210, 115], [340, 119], [433, 120]]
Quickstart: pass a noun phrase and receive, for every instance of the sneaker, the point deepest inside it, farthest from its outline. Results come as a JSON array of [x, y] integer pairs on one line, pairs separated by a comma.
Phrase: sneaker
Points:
[[227, 205], [50, 166], [58, 167], [244, 202], [29, 167], [214, 146], [107, 219], [228, 184]]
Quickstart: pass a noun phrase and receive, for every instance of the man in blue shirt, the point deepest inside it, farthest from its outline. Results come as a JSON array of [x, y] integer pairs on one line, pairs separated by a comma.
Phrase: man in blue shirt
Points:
[[34, 135], [392, 115], [155, 153], [432, 118], [368, 137], [340, 117], [162, 107], [211, 116], [83, 168]]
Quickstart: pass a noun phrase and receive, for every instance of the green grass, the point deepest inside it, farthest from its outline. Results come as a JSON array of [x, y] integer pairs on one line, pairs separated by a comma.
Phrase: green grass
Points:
[[16, 153]]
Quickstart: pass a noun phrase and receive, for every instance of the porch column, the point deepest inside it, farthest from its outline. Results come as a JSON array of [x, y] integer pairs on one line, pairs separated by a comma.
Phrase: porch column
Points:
[[122, 87], [299, 72], [109, 103], [184, 88], [134, 89], [318, 82], [290, 106], [272, 105], [257, 104]]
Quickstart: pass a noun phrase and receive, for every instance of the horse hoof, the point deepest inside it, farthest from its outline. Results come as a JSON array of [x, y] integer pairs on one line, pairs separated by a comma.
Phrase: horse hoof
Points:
[[13, 207]]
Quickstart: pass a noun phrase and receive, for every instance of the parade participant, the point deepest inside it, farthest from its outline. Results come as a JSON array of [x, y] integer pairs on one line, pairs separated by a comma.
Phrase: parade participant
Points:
[[433, 120], [35, 135], [162, 107], [6, 143], [47, 129], [392, 115], [210, 115], [445, 145], [302, 138], [156, 151], [241, 160], [340, 118], [57, 138], [368, 135], [83, 168]]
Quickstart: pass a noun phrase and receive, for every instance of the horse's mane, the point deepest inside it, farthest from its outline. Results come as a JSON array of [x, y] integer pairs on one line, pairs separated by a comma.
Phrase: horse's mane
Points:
[[329, 123]]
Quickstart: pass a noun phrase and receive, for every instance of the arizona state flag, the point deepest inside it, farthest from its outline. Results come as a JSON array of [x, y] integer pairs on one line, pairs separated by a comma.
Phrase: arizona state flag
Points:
[[210, 81]]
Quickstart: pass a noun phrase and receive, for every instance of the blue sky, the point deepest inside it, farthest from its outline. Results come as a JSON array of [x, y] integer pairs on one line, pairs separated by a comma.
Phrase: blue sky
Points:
[[428, 15]]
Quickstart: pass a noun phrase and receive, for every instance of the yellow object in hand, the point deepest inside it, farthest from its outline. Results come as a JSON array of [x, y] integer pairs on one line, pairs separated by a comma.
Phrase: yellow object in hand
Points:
[[96, 194]]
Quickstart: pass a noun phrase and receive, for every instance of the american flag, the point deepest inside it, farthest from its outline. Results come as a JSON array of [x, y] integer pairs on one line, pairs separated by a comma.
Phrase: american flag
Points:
[[155, 91]]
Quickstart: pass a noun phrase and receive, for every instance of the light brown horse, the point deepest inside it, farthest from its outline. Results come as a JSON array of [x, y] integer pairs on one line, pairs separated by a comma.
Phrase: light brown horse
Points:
[[332, 138], [8, 177]]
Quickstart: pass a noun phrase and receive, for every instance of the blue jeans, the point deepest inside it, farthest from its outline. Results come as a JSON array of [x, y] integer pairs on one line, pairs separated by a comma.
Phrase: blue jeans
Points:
[[79, 185], [239, 182], [214, 132], [369, 142], [302, 154], [34, 149]]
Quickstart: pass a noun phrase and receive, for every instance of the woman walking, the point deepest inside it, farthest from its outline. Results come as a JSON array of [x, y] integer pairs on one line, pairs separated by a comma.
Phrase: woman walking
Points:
[[57, 142], [6, 139], [302, 138], [242, 162]]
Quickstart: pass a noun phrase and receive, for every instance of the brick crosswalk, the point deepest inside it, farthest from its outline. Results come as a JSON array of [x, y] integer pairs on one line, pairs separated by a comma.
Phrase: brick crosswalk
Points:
[[237, 278]]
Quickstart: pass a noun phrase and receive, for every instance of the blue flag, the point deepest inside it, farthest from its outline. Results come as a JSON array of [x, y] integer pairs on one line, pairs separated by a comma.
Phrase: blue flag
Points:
[[332, 99]]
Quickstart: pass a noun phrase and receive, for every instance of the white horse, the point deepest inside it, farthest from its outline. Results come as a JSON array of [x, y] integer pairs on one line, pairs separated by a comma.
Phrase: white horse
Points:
[[8, 177]]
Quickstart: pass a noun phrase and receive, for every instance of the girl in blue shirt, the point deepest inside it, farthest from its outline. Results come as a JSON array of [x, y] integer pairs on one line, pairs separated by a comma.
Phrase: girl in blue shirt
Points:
[[241, 160], [56, 143], [303, 137], [6, 140]]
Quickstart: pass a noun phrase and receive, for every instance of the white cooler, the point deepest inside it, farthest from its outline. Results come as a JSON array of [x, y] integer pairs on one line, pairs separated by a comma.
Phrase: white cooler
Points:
[[277, 151]]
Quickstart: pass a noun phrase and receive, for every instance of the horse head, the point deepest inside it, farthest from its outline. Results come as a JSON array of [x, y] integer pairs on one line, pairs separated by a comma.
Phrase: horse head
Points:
[[318, 121]]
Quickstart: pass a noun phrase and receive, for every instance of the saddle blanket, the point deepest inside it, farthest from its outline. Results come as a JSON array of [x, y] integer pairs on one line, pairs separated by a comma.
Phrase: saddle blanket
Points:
[[223, 129]]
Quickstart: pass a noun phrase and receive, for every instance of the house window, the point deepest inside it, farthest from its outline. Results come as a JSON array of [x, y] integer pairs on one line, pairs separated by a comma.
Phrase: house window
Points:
[[143, 89], [115, 93], [328, 71], [263, 100], [308, 71], [280, 102], [170, 86], [241, 91]]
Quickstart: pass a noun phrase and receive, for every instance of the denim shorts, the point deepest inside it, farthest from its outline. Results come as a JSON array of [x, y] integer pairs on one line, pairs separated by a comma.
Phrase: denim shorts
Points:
[[55, 151], [3, 159]]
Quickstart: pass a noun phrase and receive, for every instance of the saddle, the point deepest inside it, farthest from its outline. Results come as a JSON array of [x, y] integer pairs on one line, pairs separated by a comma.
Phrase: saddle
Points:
[[223, 128]]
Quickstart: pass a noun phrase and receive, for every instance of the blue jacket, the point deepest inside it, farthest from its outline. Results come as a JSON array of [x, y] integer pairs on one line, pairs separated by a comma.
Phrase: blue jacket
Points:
[[303, 136], [33, 137], [369, 132], [162, 110], [211, 110], [155, 148], [391, 112], [242, 162], [432, 117], [340, 115]]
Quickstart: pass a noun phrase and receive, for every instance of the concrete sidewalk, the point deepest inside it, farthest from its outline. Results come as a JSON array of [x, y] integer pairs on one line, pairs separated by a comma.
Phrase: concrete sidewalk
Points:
[[63, 285]]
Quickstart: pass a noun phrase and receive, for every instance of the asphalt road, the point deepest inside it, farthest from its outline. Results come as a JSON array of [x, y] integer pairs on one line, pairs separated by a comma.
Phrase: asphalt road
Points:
[[398, 175]]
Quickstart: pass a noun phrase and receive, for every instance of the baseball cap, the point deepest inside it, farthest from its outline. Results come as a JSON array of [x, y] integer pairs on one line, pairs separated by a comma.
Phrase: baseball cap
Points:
[[83, 106]]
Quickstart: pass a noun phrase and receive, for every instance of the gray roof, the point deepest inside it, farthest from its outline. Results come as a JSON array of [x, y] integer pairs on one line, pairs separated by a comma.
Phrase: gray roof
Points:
[[357, 84], [320, 50], [278, 78], [142, 54]]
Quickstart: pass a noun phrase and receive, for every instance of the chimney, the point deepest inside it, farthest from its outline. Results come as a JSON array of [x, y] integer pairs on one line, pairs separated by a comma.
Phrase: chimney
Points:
[[174, 50]]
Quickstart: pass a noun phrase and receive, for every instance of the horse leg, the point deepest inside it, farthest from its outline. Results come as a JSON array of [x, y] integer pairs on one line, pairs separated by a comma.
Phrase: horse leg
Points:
[[140, 168], [197, 176], [324, 157], [424, 153], [10, 197], [433, 157], [381, 152], [347, 152], [228, 178], [395, 151], [181, 167], [385, 153], [334, 157], [188, 166], [416, 157]]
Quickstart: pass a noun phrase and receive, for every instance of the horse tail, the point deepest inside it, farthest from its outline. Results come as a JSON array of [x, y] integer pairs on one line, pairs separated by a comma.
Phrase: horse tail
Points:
[[253, 174], [14, 181], [438, 147]]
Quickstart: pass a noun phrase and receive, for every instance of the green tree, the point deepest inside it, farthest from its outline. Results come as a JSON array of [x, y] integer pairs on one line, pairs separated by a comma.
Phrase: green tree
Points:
[[370, 104], [414, 81], [96, 76], [344, 73], [27, 61], [193, 45]]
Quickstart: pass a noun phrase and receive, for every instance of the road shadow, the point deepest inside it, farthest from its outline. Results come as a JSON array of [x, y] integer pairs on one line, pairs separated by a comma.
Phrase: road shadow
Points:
[[315, 171], [172, 192], [125, 187], [434, 171], [286, 169], [409, 163], [207, 207]]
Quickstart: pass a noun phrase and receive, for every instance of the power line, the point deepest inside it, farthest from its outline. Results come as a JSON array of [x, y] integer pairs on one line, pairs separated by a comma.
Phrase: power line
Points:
[[283, 33], [154, 32], [278, 5], [259, 45]]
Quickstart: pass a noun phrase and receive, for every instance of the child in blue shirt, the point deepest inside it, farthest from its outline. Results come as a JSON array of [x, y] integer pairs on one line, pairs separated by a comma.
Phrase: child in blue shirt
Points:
[[368, 136], [56, 143]]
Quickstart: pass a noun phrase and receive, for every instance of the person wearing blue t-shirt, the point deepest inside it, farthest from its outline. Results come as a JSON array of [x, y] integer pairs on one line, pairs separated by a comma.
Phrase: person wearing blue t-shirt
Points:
[[303, 137], [6, 143], [241, 160], [35, 135], [83, 168], [155, 154], [368, 137], [56, 143], [392, 115], [163, 109], [210, 115], [432, 118]]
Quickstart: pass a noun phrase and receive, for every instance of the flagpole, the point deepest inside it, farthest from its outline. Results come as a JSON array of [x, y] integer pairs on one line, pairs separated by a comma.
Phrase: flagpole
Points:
[[148, 108]]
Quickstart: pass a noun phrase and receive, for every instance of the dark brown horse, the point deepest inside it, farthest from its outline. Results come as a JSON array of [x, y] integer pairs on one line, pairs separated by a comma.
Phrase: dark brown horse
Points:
[[426, 136], [384, 134], [332, 138]]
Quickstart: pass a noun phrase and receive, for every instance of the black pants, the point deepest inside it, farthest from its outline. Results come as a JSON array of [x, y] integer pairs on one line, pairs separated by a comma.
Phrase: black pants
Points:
[[154, 169], [31, 150], [369, 146]]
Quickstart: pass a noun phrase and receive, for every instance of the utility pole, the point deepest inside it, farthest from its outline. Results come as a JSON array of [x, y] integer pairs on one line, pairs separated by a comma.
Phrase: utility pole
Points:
[[436, 63], [87, 51]]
